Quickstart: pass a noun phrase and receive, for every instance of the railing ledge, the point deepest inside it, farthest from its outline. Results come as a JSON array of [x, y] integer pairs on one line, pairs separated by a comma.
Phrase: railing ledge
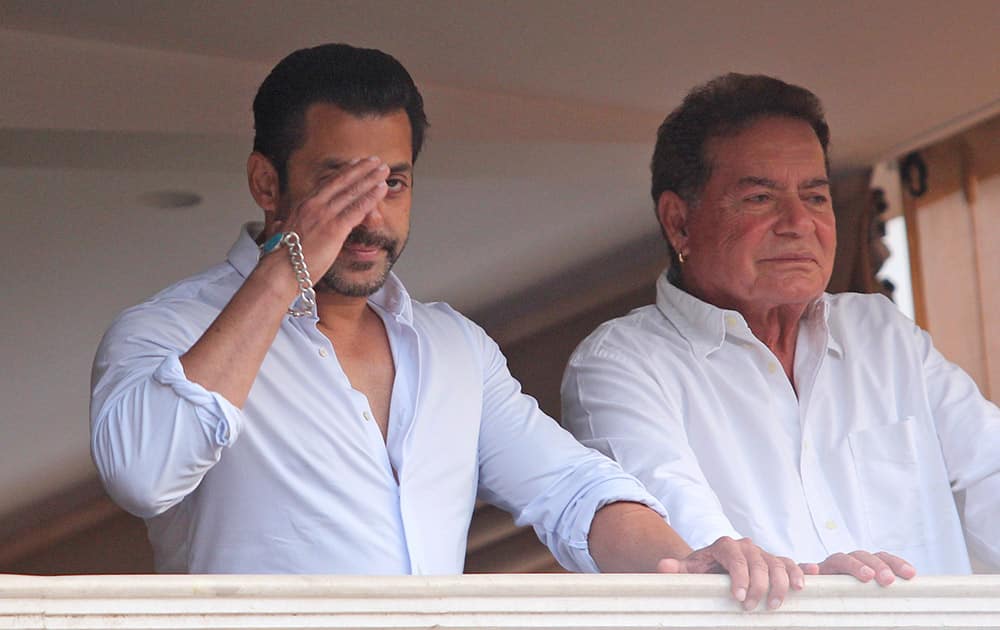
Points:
[[483, 601]]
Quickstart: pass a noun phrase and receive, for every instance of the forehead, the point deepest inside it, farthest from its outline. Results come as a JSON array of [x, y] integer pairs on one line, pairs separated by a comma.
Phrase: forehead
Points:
[[776, 148], [331, 132]]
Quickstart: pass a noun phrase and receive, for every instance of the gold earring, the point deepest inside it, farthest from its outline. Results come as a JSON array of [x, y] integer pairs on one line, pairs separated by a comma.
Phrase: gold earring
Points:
[[680, 257]]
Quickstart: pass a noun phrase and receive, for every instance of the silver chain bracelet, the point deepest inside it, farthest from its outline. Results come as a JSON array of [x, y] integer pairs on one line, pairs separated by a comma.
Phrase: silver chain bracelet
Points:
[[306, 293]]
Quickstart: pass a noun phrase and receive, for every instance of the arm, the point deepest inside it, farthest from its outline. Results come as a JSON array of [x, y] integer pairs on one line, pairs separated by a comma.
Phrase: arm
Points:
[[631, 538], [535, 470], [590, 514], [968, 428], [626, 537], [167, 386], [228, 355]]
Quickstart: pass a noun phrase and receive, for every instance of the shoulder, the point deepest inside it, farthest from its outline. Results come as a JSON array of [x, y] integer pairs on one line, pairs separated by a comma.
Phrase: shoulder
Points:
[[865, 313], [439, 322], [179, 313], [870, 325], [638, 334]]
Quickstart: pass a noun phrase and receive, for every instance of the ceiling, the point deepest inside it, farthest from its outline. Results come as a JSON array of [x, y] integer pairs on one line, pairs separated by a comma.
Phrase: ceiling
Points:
[[533, 180]]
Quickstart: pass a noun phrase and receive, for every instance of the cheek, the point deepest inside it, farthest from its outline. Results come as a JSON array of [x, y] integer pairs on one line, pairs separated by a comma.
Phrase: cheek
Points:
[[826, 232], [739, 236]]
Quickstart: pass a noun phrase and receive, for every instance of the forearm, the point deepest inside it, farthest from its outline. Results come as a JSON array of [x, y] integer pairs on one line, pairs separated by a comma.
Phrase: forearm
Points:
[[631, 538], [227, 357]]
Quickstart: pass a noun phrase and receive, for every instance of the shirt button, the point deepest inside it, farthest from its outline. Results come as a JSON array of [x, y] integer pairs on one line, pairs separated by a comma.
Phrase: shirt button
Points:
[[367, 416], [323, 353], [831, 524], [772, 367], [731, 320]]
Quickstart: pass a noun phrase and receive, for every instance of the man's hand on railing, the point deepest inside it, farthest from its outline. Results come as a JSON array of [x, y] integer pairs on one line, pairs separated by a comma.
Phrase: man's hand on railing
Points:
[[755, 573], [882, 566]]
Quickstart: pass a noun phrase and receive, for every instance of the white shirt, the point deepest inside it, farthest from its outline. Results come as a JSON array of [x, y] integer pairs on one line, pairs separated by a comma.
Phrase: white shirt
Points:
[[300, 480], [866, 456]]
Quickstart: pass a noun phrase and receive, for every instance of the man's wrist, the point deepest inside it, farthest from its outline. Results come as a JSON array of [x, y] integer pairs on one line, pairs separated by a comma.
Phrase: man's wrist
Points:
[[306, 303], [271, 244]]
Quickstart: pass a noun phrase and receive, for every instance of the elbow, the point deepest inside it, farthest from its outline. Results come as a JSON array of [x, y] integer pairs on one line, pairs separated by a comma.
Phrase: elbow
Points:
[[135, 491], [136, 500], [130, 484]]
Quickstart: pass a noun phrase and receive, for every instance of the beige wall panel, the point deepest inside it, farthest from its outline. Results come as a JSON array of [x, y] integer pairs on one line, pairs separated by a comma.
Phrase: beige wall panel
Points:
[[987, 219], [950, 282]]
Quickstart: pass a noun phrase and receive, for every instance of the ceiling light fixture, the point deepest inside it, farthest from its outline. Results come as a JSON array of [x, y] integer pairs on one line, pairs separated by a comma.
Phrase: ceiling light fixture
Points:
[[170, 199]]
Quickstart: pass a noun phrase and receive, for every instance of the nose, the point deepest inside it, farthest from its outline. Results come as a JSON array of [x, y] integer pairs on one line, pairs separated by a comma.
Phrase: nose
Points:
[[795, 218], [376, 217]]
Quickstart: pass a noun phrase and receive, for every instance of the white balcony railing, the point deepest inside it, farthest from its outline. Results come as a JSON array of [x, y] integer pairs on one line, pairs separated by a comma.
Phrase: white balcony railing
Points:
[[483, 601]]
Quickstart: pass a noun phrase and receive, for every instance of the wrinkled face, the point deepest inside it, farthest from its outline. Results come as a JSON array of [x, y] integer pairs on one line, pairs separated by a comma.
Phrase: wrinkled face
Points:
[[763, 232], [333, 137]]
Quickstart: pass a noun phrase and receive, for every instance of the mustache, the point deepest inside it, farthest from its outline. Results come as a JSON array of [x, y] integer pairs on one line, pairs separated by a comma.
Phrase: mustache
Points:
[[366, 238]]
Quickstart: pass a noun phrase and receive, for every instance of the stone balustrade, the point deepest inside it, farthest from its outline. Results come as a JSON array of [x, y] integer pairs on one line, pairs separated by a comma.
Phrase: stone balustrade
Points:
[[483, 601]]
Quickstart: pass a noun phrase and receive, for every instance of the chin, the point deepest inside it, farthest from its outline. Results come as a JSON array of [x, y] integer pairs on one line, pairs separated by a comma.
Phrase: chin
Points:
[[352, 283], [792, 292]]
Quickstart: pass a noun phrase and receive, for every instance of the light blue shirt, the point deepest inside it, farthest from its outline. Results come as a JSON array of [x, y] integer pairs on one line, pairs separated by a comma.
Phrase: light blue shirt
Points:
[[300, 480]]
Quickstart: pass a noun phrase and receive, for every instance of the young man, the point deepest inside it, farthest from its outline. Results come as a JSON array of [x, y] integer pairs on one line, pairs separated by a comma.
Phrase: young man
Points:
[[294, 410]]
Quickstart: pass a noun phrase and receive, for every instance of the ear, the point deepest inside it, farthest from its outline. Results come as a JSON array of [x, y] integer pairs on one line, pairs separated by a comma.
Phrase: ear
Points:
[[672, 212], [262, 178]]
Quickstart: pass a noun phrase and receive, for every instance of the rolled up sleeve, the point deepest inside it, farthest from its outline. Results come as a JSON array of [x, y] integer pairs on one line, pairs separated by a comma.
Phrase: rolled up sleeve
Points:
[[154, 433]]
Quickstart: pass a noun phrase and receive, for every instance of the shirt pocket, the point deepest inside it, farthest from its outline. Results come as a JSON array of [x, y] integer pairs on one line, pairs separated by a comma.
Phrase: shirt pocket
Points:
[[886, 460]]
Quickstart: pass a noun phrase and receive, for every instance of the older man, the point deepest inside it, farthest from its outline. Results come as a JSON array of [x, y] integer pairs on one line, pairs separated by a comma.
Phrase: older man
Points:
[[751, 403], [274, 416]]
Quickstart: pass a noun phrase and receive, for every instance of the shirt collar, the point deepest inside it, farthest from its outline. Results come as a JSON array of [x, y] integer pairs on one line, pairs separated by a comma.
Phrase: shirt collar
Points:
[[705, 326], [245, 253]]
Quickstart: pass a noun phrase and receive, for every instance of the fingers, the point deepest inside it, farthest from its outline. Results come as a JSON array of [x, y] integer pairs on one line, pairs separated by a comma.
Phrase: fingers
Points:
[[350, 193], [796, 573], [883, 574], [349, 178], [777, 575], [755, 574], [900, 567], [337, 204], [669, 565], [359, 197], [882, 566], [844, 564]]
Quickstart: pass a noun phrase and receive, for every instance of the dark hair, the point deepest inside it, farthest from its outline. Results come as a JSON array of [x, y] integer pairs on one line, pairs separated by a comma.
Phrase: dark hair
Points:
[[361, 81], [723, 107]]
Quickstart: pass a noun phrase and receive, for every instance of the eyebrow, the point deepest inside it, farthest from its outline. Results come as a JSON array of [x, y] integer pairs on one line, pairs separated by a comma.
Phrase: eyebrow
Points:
[[334, 164], [818, 182], [750, 180]]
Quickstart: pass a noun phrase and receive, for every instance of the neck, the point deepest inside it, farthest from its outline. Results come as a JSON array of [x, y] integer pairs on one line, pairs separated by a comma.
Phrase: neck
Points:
[[341, 313], [777, 327]]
